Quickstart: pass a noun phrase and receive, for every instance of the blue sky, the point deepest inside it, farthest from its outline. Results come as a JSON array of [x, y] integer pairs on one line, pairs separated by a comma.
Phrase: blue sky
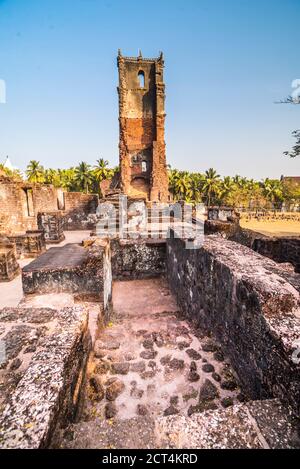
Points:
[[226, 62]]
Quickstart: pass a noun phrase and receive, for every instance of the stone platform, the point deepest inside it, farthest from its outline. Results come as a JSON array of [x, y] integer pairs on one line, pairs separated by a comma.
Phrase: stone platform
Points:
[[70, 269], [30, 244], [57, 270]]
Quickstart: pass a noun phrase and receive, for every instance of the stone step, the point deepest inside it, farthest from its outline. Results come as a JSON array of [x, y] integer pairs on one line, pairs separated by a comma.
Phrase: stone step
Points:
[[263, 424]]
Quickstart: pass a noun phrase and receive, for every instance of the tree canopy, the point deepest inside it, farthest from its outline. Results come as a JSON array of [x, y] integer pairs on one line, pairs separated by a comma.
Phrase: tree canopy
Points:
[[193, 187]]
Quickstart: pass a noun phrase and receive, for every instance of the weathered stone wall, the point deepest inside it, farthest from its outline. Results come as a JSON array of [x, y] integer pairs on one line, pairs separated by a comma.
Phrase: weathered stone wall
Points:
[[9, 267], [30, 244], [141, 119], [45, 358], [223, 220], [51, 223], [251, 308], [280, 249], [227, 229], [137, 259], [221, 213], [80, 211], [21, 201]]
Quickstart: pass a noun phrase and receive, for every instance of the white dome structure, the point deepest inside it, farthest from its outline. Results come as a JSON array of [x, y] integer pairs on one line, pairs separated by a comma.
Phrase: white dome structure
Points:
[[8, 165]]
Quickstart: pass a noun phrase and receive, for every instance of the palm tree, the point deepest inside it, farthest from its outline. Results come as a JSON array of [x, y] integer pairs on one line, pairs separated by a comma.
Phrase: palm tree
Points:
[[173, 176], [83, 176], [211, 184], [101, 170], [52, 177], [273, 190], [196, 183], [227, 189], [183, 186], [35, 172], [14, 174]]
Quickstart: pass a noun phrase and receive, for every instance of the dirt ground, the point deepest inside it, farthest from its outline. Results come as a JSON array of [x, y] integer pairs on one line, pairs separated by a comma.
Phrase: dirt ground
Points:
[[272, 227]]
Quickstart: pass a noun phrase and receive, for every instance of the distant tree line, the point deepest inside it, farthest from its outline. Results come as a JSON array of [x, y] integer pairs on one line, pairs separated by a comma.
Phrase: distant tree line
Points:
[[192, 187], [81, 178], [236, 191]]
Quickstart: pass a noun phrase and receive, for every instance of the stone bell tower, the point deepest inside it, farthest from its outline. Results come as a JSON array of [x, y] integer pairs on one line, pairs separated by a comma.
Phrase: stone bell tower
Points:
[[142, 128]]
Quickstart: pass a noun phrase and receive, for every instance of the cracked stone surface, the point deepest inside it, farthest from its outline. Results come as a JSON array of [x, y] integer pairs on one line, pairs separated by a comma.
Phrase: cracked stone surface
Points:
[[149, 363]]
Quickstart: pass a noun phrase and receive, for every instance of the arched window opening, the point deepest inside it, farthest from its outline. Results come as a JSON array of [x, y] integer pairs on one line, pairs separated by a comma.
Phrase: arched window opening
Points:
[[141, 77]]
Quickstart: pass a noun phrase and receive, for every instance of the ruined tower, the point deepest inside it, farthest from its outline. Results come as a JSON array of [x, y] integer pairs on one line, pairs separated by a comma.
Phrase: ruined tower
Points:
[[142, 127]]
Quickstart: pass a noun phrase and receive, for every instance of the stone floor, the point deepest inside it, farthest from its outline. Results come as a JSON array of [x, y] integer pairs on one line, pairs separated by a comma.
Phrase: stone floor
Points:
[[11, 293], [148, 362]]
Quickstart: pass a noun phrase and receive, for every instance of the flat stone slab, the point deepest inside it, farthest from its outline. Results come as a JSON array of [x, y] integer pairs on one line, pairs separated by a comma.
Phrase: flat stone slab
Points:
[[68, 269], [69, 256]]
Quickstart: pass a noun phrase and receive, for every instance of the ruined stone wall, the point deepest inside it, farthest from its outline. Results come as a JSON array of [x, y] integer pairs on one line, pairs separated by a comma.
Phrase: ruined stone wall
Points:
[[141, 120], [51, 223], [9, 267], [280, 249], [45, 197], [46, 354], [80, 211], [21, 201], [251, 308], [30, 244], [137, 259]]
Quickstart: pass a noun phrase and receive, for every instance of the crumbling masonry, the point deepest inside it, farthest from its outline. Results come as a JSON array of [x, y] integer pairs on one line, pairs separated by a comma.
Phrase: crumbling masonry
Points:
[[142, 127]]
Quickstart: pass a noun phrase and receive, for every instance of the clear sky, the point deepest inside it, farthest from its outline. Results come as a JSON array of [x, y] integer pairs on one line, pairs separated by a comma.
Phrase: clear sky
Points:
[[226, 62]]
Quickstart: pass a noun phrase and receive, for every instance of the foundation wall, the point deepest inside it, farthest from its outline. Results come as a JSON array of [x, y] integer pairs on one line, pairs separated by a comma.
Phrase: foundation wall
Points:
[[137, 259], [280, 249], [9, 268], [30, 244], [51, 223], [251, 308], [80, 211], [20, 202]]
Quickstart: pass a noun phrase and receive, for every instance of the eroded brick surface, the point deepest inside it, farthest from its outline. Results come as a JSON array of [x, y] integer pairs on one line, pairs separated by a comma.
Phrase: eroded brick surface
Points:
[[141, 118]]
